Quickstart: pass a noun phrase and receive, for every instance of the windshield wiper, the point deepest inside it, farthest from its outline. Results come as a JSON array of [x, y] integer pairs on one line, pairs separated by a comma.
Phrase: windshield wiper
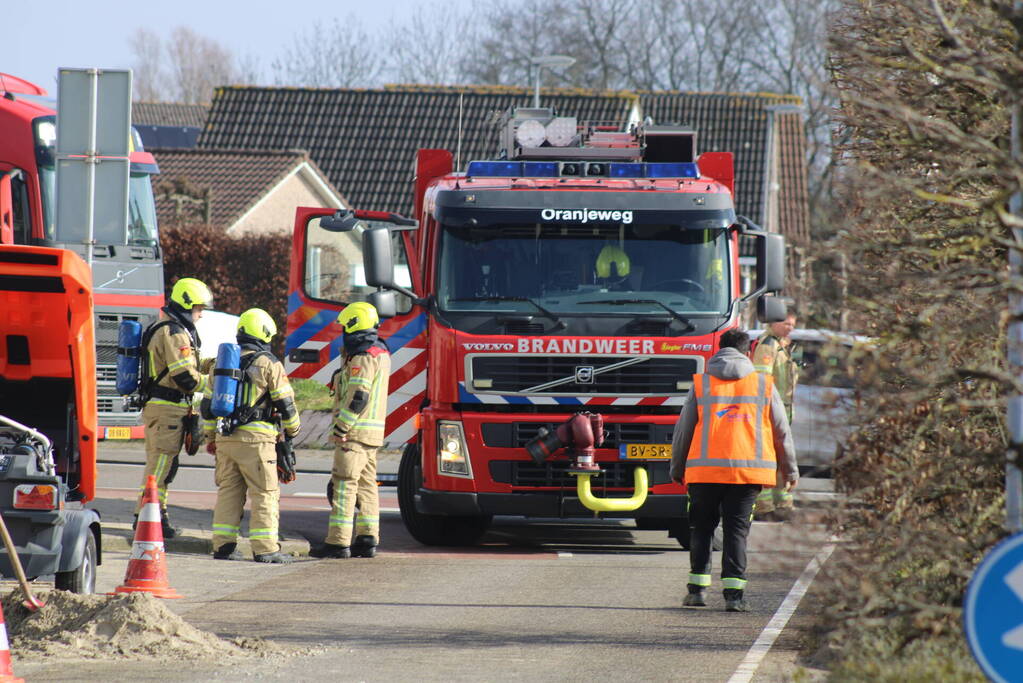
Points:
[[622, 302], [540, 308]]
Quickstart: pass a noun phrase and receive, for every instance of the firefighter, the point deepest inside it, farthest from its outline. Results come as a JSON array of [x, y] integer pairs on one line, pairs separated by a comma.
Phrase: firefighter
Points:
[[731, 439], [246, 449], [171, 377], [773, 355], [360, 409]]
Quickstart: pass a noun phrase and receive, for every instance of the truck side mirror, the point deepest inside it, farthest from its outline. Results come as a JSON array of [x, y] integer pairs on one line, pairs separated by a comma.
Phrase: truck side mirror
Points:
[[771, 309], [384, 302], [771, 262], [376, 257], [6, 210]]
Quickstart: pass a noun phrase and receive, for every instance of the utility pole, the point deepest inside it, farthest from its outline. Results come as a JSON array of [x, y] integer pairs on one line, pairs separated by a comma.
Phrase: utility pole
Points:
[[1013, 478]]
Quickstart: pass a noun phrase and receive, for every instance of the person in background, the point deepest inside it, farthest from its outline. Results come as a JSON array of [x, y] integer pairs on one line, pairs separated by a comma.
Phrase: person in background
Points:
[[773, 355], [732, 438]]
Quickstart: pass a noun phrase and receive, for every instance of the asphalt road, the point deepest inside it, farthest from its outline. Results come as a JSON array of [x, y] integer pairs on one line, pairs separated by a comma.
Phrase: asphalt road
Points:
[[542, 600]]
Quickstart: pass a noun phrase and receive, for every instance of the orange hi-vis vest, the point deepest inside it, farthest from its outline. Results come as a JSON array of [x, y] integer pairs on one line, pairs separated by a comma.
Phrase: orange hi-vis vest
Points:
[[733, 442]]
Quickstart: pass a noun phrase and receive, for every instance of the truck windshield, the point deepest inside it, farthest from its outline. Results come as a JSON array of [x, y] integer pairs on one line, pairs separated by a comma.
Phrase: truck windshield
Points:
[[141, 205], [584, 269]]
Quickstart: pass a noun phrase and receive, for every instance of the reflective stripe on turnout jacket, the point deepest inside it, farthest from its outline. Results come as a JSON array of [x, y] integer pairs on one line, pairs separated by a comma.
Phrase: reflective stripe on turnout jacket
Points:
[[360, 396]]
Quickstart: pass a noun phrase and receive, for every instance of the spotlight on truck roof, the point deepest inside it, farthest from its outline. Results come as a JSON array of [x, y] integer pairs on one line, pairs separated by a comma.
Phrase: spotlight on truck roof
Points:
[[596, 169], [530, 133], [561, 131]]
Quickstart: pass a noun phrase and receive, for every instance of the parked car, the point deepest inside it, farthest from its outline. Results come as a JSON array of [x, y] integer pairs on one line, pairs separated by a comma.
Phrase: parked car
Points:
[[825, 395]]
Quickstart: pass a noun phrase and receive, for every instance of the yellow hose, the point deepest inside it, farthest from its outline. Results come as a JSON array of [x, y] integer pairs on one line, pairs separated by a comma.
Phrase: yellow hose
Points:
[[587, 498]]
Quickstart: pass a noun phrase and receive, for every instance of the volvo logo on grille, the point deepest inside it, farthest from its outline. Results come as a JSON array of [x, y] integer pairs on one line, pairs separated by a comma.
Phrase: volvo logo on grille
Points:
[[584, 374]]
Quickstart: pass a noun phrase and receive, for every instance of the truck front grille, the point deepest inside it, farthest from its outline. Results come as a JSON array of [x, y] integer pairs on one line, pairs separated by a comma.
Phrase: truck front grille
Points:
[[516, 434], [555, 474], [582, 375]]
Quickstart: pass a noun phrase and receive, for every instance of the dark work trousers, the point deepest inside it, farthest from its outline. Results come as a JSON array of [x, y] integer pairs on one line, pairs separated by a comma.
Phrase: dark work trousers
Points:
[[731, 504]]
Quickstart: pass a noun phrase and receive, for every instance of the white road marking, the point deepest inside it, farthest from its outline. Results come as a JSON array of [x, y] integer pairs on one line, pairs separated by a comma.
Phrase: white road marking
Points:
[[756, 653], [562, 554]]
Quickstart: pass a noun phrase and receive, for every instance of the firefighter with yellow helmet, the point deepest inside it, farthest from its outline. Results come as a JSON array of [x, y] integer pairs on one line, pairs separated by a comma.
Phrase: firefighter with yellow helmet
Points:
[[171, 376], [247, 448], [360, 409]]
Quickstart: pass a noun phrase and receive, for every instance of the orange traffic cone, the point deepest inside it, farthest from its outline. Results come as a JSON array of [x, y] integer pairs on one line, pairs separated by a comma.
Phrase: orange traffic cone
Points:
[[6, 672], [147, 568]]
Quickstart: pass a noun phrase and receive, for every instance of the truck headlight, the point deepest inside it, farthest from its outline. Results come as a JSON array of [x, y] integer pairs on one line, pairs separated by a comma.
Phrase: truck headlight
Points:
[[454, 456]]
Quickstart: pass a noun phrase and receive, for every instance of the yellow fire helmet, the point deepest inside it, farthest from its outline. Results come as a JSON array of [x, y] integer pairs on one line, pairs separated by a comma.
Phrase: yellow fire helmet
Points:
[[612, 255], [188, 292], [257, 323], [359, 316]]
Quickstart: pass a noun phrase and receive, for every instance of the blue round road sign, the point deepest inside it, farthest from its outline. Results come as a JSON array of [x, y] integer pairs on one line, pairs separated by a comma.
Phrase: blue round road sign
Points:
[[993, 614]]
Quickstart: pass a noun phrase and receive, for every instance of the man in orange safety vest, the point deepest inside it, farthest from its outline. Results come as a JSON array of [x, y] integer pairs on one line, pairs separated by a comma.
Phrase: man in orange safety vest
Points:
[[730, 440]]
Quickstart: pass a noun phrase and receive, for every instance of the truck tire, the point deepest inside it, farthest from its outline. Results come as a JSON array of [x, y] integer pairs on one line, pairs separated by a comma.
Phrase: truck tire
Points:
[[440, 530], [82, 579]]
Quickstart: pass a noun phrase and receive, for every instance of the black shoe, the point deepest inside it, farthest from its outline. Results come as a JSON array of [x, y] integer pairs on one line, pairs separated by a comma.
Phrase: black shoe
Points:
[[694, 600], [273, 558], [364, 546], [331, 551], [169, 531], [228, 551], [734, 601], [736, 605]]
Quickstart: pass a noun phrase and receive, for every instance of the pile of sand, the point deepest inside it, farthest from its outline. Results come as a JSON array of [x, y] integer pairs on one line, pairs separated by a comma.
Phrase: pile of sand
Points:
[[132, 626]]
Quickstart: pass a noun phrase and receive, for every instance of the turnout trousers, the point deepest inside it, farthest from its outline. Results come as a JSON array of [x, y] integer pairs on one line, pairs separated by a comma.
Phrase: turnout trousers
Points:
[[732, 505], [776, 498], [354, 478], [247, 467], [164, 436]]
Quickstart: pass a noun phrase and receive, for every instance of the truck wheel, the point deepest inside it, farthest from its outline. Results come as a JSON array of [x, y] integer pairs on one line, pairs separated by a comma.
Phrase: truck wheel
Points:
[[82, 579], [432, 529]]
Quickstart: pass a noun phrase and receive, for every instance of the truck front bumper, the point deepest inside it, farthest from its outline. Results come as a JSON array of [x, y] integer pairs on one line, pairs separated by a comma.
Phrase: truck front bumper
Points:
[[536, 504]]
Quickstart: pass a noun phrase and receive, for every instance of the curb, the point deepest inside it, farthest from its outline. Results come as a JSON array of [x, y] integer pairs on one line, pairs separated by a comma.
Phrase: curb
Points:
[[119, 537]]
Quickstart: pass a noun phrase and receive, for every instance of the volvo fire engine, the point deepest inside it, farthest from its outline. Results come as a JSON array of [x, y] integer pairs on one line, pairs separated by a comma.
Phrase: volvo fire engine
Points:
[[127, 268], [587, 268]]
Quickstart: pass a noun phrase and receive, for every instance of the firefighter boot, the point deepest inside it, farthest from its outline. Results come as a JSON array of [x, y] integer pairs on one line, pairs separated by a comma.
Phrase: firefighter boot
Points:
[[169, 530], [364, 546], [228, 551], [276, 557], [734, 601], [331, 551], [695, 597]]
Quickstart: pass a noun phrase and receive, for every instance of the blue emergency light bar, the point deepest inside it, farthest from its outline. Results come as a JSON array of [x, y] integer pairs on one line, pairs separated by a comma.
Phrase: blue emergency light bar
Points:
[[554, 169], [513, 169]]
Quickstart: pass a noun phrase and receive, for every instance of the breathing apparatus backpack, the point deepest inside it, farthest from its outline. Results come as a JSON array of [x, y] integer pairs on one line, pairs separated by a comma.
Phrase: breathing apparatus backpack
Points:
[[232, 376], [133, 360]]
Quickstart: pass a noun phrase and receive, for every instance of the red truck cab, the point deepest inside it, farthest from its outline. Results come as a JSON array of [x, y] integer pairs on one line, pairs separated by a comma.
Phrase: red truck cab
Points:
[[587, 268]]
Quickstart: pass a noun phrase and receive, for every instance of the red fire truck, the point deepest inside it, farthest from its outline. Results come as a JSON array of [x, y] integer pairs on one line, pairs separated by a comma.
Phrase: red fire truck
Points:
[[127, 269], [586, 268]]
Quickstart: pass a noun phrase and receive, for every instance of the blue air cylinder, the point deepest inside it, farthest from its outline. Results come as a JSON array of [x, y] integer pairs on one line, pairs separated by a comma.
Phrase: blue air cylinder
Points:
[[129, 355], [226, 374]]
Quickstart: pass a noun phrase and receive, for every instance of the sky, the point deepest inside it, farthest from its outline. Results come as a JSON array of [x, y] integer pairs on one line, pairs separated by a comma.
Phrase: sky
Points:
[[44, 35]]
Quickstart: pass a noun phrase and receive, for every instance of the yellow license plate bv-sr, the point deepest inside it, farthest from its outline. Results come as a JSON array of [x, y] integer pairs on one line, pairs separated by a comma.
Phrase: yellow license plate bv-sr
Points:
[[644, 451], [118, 432]]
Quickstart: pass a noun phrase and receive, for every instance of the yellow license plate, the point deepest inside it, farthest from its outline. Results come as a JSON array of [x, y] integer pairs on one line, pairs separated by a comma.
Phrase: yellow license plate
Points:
[[118, 432], [644, 451]]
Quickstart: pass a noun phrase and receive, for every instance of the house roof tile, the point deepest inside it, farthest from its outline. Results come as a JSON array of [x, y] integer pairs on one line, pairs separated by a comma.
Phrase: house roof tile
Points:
[[169, 114], [365, 140]]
